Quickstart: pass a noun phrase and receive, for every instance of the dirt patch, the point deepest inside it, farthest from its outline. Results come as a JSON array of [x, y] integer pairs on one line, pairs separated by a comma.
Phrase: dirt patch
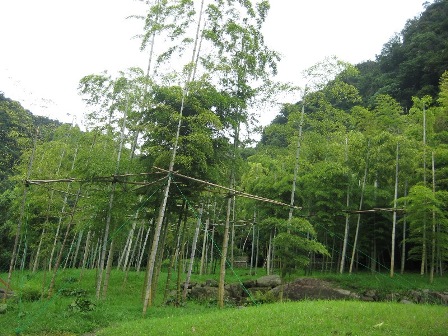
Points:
[[312, 289]]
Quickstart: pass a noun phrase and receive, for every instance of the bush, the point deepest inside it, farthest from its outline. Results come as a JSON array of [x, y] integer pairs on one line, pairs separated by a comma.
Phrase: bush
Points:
[[30, 293]]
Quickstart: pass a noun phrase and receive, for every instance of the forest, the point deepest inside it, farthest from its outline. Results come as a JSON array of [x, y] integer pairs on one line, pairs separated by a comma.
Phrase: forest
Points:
[[165, 174]]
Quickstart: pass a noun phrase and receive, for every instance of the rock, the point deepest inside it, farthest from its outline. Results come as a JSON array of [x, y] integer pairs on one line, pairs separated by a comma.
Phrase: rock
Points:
[[3, 308], [405, 301], [443, 297], [393, 297], [367, 299], [211, 283], [235, 292], [371, 294], [269, 281], [204, 293], [415, 296], [311, 289], [5, 293], [347, 293], [250, 283], [190, 285]]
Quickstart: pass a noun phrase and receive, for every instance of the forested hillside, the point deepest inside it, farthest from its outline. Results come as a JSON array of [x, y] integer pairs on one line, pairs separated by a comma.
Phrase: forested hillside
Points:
[[411, 62], [352, 177]]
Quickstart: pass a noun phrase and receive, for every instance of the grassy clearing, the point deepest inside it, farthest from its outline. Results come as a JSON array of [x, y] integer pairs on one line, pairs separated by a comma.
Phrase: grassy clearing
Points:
[[383, 282], [63, 315], [299, 318]]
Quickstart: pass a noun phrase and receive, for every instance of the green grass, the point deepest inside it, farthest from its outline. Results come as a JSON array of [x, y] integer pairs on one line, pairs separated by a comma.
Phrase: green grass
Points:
[[298, 318], [29, 315], [383, 282]]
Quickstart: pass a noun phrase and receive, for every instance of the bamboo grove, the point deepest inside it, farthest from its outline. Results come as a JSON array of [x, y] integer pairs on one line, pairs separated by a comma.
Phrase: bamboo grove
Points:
[[334, 184]]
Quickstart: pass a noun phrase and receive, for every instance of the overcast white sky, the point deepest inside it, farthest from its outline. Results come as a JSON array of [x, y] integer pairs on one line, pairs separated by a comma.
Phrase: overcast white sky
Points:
[[47, 46]]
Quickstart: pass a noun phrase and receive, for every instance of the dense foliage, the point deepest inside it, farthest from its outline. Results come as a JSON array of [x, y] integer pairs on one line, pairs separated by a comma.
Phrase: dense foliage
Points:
[[411, 62]]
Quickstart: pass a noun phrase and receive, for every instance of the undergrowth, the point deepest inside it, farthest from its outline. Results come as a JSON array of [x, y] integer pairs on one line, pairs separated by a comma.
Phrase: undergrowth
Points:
[[74, 309]]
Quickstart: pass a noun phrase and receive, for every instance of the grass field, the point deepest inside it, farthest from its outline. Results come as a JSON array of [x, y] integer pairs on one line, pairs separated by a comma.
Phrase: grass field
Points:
[[73, 310], [299, 318]]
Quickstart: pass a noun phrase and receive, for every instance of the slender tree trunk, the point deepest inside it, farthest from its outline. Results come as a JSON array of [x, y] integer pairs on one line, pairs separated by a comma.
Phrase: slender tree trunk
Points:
[[232, 240], [102, 259], [296, 166], [268, 256], [403, 246], [110, 259], [257, 250], [122, 253], [61, 251], [36, 259], [162, 208], [159, 259], [110, 208], [374, 257], [212, 250], [75, 257], [394, 218], [204, 247], [128, 250], [433, 238], [424, 252], [252, 252], [22, 211], [355, 243], [193, 252], [225, 244], [94, 257], [133, 258], [347, 214], [69, 254], [86, 254], [137, 247], [143, 248], [175, 253]]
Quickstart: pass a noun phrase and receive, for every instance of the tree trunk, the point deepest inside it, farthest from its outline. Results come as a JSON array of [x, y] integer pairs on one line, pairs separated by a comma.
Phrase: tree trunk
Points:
[[129, 246], [102, 259], [424, 252], [36, 258], [268, 256], [159, 259], [232, 240], [403, 245], [193, 252], [433, 238], [394, 218], [225, 244], [69, 254], [140, 259], [355, 243], [175, 253], [137, 247], [252, 252], [110, 259], [257, 250], [86, 254], [204, 248], [296, 166], [109, 212], [75, 257], [162, 208], [59, 258], [212, 250], [347, 215], [56, 237], [22, 211]]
